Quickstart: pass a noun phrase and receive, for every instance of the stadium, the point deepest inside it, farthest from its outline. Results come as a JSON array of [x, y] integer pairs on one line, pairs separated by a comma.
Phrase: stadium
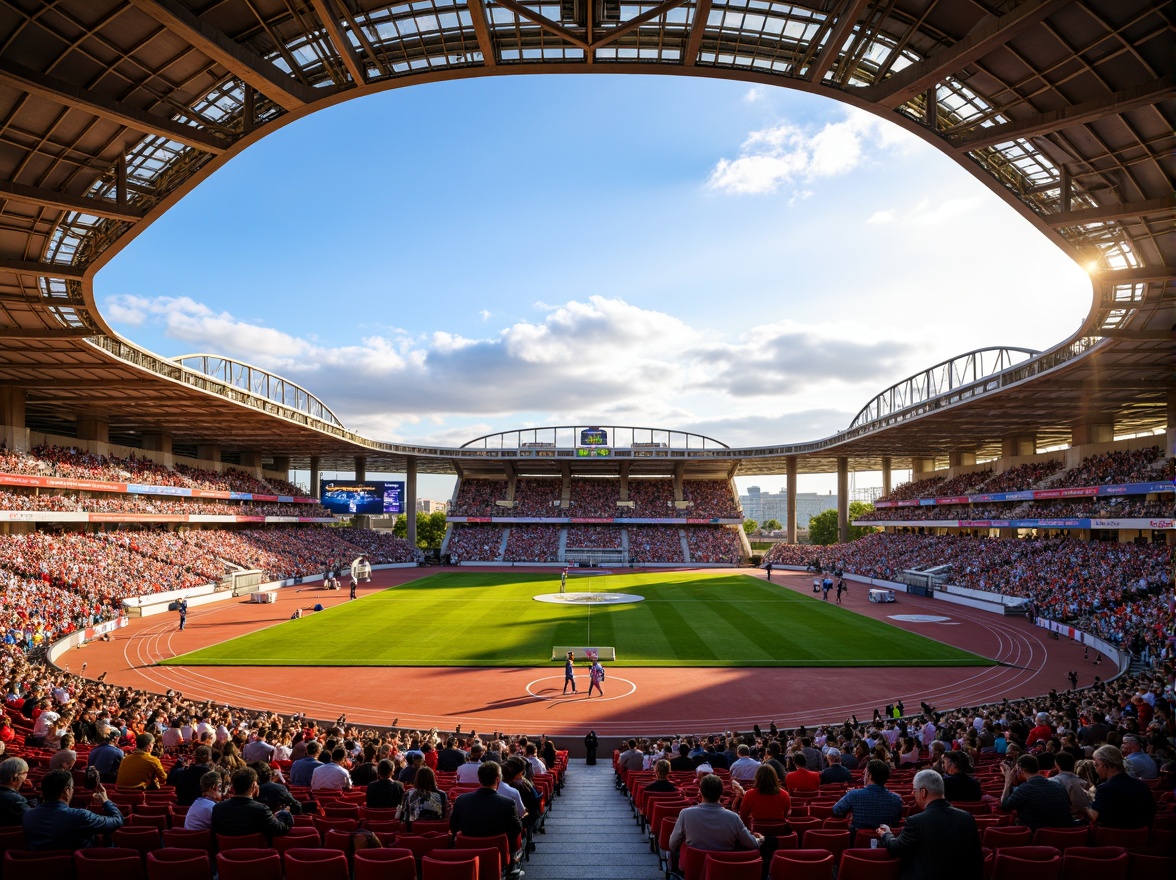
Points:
[[1031, 552]]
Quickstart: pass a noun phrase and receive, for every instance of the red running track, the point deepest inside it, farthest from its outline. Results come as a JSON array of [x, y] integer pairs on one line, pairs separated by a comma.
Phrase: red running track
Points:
[[637, 700]]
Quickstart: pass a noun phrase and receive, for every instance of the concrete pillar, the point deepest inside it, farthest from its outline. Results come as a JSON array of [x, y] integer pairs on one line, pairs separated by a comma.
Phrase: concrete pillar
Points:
[[790, 516], [842, 499], [1016, 445], [251, 460], [13, 430], [93, 428], [360, 468], [921, 467], [886, 475], [1083, 432], [410, 496], [282, 466], [157, 441], [960, 458], [315, 476], [208, 452]]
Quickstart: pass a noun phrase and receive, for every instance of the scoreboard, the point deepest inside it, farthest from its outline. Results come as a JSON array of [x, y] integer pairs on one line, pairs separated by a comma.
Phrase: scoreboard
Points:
[[593, 437]]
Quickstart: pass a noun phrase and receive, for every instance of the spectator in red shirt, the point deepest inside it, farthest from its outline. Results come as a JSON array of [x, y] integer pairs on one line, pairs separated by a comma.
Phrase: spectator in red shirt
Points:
[[1042, 732], [802, 779]]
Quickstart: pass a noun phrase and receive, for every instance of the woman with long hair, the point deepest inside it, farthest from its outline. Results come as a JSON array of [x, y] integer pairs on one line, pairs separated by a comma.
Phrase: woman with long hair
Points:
[[424, 801], [766, 799]]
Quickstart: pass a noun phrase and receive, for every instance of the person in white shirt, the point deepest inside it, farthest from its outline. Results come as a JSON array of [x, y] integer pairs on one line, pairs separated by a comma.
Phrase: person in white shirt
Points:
[[46, 722], [745, 766], [467, 773], [537, 765], [199, 816], [333, 776]]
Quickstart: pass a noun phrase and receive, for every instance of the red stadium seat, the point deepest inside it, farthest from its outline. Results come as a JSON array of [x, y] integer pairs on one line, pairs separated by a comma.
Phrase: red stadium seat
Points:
[[183, 838], [489, 859], [315, 864], [801, 864], [1152, 866], [738, 865], [1025, 862], [1061, 838], [227, 842], [1095, 863], [832, 840], [868, 864], [1013, 835], [143, 839], [391, 863], [20, 864], [437, 869], [249, 864], [102, 863], [178, 864], [1129, 838]]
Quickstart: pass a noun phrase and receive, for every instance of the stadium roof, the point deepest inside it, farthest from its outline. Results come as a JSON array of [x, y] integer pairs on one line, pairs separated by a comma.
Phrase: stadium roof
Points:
[[112, 111]]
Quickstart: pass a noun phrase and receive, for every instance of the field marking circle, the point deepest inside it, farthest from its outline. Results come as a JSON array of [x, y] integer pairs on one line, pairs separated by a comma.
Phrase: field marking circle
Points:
[[581, 695], [582, 598], [919, 618]]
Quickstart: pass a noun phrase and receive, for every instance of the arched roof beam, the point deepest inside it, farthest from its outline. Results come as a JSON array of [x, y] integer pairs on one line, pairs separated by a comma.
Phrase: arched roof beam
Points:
[[697, 29], [832, 50], [481, 26], [45, 198], [635, 22], [347, 54], [1136, 275], [42, 270], [250, 68], [989, 33], [45, 332], [50, 88], [1108, 213], [1116, 104], [544, 22]]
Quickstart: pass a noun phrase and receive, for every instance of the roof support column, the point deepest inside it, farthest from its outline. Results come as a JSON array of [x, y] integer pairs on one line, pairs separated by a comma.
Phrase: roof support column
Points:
[[842, 499], [251, 460], [12, 419], [1015, 445], [282, 466], [208, 452], [886, 464], [960, 458], [410, 497], [1084, 432], [360, 468], [315, 476], [157, 441], [790, 487], [93, 428], [921, 467]]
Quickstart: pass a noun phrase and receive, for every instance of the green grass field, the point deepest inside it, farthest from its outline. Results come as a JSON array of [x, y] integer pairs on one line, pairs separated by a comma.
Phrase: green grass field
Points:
[[687, 619]]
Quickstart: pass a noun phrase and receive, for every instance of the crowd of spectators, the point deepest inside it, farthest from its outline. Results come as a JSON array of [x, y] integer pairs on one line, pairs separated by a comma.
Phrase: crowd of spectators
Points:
[[714, 544], [532, 543], [474, 543], [1121, 466], [594, 537], [536, 497], [59, 461], [1124, 589], [596, 497], [1124, 466], [1024, 476], [962, 484], [655, 544], [477, 497], [1117, 506], [651, 496], [72, 502], [712, 498]]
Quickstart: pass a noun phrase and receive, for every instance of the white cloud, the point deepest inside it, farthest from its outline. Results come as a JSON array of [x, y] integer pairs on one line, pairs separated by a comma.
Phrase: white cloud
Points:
[[787, 154], [486, 315], [600, 358], [879, 218], [754, 94]]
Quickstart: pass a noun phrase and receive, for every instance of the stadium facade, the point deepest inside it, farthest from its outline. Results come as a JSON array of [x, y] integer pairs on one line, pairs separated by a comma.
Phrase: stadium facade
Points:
[[114, 111]]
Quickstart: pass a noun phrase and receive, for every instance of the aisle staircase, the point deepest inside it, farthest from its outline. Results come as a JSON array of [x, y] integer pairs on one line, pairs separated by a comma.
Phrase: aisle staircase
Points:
[[591, 833]]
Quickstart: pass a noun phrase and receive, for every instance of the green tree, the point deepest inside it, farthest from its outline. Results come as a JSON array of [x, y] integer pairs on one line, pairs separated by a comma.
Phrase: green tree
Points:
[[750, 525], [430, 529], [823, 526], [772, 525]]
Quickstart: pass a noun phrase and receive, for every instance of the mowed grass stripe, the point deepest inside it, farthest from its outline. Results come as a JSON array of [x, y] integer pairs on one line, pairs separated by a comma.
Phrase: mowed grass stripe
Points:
[[484, 619]]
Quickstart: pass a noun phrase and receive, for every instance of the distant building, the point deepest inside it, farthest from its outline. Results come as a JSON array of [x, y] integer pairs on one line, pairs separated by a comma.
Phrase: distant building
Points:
[[427, 505], [763, 506]]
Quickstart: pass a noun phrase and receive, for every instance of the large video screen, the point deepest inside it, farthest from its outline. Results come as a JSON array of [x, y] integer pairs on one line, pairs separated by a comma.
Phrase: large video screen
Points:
[[372, 497]]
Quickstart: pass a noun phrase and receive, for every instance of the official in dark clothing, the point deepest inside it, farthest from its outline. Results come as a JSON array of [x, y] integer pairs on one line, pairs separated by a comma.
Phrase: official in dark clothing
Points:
[[242, 814], [484, 812], [385, 793], [186, 777], [1039, 802], [106, 759], [450, 757], [682, 761], [958, 784], [1119, 801], [939, 842], [57, 825], [591, 744], [273, 794]]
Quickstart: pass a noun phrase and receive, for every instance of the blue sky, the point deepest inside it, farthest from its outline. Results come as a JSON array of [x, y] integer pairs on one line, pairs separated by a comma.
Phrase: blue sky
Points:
[[447, 260]]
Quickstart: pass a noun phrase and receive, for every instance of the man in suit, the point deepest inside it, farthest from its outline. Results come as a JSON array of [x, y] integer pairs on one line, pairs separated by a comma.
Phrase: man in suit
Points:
[[486, 813], [941, 841], [57, 825], [242, 814]]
